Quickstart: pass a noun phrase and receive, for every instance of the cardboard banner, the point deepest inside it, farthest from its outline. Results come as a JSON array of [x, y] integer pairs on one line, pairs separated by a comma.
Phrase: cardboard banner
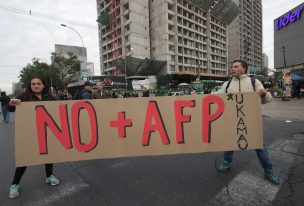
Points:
[[60, 131]]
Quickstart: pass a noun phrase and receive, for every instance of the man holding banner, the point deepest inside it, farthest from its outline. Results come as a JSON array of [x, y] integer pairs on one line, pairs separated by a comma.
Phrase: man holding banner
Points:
[[240, 82]]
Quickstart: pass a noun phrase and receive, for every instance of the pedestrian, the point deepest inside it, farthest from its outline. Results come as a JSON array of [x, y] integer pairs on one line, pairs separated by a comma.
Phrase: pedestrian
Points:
[[4, 106], [99, 93], [193, 92], [114, 95], [87, 92], [36, 91], [145, 92], [240, 82], [298, 90]]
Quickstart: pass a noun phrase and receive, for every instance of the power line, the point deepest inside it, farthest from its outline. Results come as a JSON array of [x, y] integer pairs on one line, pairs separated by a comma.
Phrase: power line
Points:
[[1, 65], [17, 10]]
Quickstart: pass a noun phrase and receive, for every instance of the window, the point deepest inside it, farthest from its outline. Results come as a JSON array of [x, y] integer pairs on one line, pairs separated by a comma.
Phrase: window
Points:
[[172, 58]]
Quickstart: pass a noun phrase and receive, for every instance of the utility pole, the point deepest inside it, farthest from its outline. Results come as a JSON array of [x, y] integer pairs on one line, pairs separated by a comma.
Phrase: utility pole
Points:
[[283, 48]]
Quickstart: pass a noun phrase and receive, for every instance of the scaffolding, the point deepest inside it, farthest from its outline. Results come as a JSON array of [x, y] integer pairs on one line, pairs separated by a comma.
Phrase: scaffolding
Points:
[[115, 30], [225, 10]]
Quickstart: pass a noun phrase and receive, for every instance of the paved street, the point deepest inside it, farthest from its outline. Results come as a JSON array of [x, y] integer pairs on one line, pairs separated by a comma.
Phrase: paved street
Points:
[[171, 180]]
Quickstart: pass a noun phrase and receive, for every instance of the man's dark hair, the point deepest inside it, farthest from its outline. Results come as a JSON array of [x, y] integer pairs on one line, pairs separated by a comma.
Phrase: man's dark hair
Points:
[[243, 63]]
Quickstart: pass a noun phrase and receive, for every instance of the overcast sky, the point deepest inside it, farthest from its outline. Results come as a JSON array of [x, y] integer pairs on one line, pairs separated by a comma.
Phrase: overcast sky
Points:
[[24, 37]]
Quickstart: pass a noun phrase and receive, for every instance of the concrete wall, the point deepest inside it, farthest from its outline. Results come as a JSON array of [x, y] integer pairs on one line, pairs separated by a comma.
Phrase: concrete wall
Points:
[[139, 27], [243, 30], [159, 30], [63, 50], [234, 41]]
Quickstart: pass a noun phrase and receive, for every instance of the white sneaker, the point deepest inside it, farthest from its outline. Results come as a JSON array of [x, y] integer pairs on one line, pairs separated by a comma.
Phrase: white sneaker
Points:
[[14, 191], [52, 180]]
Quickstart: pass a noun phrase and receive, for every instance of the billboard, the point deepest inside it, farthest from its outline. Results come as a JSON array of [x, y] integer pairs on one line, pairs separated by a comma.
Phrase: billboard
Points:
[[289, 38]]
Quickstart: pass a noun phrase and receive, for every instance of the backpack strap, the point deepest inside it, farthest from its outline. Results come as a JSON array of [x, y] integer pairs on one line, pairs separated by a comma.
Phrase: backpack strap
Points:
[[253, 83], [228, 84]]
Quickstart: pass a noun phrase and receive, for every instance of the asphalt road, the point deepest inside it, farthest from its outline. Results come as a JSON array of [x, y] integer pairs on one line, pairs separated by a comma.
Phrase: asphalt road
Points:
[[171, 180]]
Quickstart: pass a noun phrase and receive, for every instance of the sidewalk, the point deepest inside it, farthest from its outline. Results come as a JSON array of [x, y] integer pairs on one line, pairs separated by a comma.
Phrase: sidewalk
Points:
[[285, 110]]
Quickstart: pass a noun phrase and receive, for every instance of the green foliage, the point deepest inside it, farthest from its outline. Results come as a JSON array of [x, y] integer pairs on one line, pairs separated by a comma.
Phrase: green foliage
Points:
[[164, 80], [63, 70], [278, 75], [35, 68], [58, 74], [258, 71]]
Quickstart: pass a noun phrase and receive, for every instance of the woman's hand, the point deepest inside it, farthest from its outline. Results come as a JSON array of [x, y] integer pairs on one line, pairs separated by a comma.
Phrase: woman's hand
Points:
[[14, 102]]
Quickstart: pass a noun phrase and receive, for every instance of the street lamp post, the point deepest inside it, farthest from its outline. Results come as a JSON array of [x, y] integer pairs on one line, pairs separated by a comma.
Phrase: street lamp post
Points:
[[83, 53], [285, 95], [283, 48], [126, 80]]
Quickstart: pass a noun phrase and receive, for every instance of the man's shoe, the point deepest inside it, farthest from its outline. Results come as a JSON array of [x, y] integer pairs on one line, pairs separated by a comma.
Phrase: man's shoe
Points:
[[224, 166], [52, 180], [272, 178], [14, 191]]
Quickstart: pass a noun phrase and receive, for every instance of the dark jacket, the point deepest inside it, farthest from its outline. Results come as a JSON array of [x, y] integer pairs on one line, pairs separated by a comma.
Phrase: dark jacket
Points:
[[85, 94], [25, 98], [4, 100], [97, 95], [146, 93]]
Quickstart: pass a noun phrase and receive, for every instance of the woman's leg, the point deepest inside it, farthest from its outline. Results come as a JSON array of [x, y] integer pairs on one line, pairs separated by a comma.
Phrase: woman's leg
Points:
[[48, 170], [18, 175]]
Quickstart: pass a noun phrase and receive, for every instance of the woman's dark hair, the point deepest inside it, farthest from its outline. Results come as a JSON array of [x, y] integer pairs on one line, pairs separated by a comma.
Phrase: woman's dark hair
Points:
[[28, 91]]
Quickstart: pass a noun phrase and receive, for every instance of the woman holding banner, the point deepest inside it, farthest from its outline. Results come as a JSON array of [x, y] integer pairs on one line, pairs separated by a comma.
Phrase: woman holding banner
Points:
[[36, 91]]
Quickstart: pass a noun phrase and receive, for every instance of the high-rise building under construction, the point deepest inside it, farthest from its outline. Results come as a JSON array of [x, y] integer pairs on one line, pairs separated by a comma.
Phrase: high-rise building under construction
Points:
[[245, 33], [149, 37]]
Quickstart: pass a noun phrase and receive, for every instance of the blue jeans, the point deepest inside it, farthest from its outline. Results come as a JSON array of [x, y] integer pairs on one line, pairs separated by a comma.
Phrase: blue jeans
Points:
[[262, 154], [5, 113]]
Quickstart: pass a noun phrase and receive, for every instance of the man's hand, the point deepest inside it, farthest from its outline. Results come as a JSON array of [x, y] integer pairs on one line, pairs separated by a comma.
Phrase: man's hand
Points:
[[262, 92], [14, 102]]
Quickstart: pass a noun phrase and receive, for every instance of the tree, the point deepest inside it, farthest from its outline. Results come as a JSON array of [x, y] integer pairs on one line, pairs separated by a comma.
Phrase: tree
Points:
[[36, 68], [165, 81], [63, 69]]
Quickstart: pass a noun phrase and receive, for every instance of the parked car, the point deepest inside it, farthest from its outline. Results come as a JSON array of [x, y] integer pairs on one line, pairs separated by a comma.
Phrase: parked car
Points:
[[216, 90]]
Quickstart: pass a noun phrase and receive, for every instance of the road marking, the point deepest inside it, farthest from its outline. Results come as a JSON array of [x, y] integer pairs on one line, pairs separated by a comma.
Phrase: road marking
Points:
[[63, 191], [250, 188]]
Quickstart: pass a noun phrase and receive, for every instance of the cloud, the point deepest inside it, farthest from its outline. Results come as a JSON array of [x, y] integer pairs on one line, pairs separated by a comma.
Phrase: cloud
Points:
[[26, 37]]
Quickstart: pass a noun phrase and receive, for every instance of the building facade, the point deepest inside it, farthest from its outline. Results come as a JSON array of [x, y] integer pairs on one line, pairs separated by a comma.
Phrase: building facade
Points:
[[245, 33], [289, 39], [289, 46], [188, 38], [64, 50], [265, 63], [184, 37], [86, 68]]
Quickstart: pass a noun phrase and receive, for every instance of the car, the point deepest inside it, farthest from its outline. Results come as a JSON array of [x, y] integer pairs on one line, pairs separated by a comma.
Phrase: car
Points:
[[216, 90]]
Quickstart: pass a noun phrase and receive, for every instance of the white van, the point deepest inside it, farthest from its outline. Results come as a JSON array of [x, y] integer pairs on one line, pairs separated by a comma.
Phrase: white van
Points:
[[177, 94]]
